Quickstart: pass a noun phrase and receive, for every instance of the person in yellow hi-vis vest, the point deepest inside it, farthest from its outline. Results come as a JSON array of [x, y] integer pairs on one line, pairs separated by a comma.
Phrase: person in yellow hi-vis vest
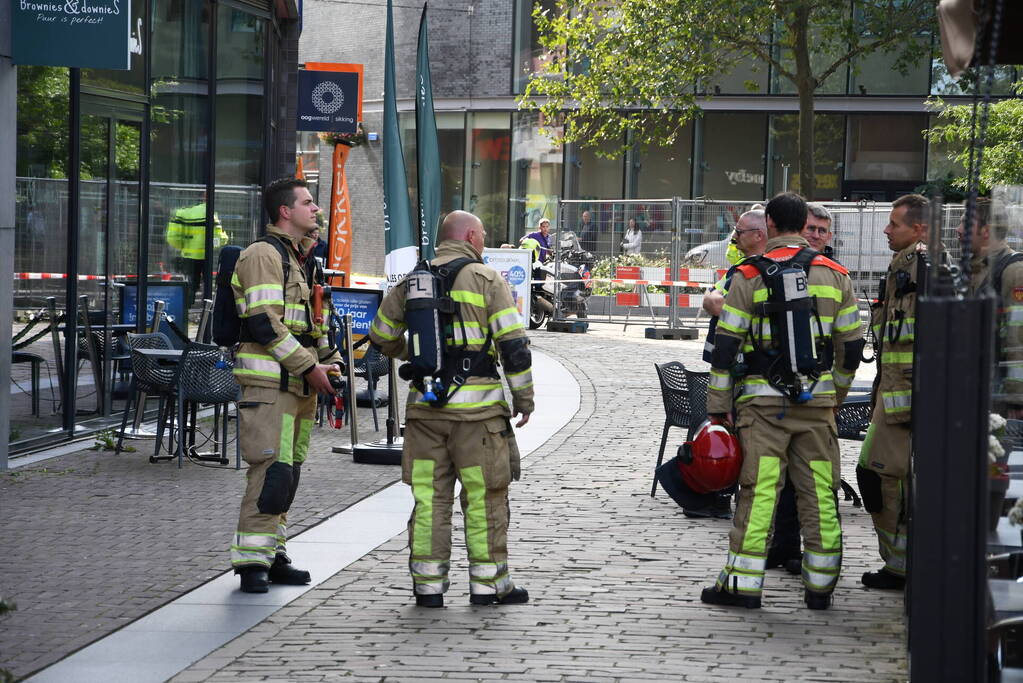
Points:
[[468, 438], [186, 232]]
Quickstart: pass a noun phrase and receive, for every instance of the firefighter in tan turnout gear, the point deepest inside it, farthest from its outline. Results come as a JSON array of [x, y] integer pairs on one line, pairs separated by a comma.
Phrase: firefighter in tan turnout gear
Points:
[[281, 365], [793, 315], [469, 438], [997, 266], [883, 469]]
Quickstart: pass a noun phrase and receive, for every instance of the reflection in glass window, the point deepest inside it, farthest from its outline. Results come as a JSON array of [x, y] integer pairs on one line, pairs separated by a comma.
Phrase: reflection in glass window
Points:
[[529, 54], [180, 130], [732, 166], [886, 147], [489, 156], [241, 60], [661, 172], [829, 144], [822, 55], [749, 76], [943, 84], [877, 74], [536, 176], [451, 144], [591, 176], [132, 80]]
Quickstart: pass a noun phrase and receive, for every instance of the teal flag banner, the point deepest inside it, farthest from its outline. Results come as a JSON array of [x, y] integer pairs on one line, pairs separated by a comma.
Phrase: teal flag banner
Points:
[[427, 150], [400, 243]]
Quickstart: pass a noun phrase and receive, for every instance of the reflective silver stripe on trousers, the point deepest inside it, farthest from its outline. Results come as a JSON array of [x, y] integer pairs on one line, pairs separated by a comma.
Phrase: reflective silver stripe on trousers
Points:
[[487, 570], [253, 549], [500, 587], [746, 563], [842, 379], [820, 571], [429, 570], [431, 587], [722, 381], [740, 583]]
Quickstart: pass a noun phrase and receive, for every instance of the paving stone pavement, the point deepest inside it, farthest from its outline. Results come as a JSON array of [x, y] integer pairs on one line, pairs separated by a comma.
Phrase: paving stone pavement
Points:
[[614, 576], [94, 541]]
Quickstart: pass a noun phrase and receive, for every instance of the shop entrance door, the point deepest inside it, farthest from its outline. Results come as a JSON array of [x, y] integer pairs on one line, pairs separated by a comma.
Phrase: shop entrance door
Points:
[[108, 249]]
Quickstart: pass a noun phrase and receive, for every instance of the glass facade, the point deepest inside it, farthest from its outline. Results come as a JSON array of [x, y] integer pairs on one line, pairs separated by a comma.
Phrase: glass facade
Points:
[[732, 162], [184, 129], [488, 172], [537, 176], [829, 148]]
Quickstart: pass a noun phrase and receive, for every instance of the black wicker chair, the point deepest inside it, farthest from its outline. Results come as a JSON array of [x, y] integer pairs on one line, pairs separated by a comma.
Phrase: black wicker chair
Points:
[[685, 402], [204, 377], [853, 418], [149, 378], [372, 366]]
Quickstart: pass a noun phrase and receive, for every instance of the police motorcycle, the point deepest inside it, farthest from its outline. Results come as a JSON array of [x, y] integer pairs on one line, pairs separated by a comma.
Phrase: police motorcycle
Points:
[[572, 268]]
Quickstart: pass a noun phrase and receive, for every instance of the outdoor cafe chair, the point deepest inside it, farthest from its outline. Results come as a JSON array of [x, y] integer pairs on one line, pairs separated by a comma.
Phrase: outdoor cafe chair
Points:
[[372, 366], [684, 394], [152, 379], [205, 377]]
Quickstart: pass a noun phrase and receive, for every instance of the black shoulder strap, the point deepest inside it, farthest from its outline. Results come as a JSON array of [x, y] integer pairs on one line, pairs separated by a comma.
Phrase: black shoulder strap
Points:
[[449, 271], [804, 257], [283, 250], [998, 270]]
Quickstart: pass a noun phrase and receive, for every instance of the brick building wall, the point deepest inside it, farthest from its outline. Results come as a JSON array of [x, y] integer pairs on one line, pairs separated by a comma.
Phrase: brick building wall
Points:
[[470, 56]]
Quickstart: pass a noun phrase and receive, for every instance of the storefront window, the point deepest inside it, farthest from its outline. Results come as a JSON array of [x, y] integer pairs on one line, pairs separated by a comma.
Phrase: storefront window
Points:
[[487, 173], [829, 144], [732, 164], [40, 241], [536, 176], [662, 172], [886, 147], [943, 84]]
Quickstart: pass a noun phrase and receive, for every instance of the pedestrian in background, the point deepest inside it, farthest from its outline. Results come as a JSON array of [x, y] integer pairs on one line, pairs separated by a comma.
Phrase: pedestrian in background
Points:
[[633, 239]]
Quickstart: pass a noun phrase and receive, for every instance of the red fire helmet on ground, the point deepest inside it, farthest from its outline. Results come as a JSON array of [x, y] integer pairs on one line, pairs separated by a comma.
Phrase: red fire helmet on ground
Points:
[[712, 460]]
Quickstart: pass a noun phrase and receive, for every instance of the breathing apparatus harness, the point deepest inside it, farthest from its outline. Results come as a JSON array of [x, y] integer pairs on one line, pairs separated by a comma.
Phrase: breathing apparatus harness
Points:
[[438, 364], [794, 363]]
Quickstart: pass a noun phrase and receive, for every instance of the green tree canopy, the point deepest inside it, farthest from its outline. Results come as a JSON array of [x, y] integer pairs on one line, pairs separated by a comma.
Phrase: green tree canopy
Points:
[[634, 66], [1002, 162]]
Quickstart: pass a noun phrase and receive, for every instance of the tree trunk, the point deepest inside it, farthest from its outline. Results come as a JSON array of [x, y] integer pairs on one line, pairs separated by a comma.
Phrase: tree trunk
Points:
[[806, 84]]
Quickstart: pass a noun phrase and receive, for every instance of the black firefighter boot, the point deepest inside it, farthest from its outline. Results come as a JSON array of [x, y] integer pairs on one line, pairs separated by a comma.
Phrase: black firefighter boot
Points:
[[516, 596], [254, 579], [713, 596], [883, 579], [282, 572]]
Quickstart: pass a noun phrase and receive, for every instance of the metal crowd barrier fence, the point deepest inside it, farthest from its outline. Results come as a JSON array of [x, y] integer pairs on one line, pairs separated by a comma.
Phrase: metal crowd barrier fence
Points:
[[691, 236]]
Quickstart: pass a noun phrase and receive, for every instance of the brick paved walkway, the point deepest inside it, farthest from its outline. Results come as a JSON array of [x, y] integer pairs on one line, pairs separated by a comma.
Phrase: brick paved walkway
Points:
[[94, 541], [614, 576]]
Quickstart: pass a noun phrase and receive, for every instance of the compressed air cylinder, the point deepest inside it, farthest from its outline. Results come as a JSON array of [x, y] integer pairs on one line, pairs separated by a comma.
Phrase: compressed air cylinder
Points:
[[426, 337], [798, 331]]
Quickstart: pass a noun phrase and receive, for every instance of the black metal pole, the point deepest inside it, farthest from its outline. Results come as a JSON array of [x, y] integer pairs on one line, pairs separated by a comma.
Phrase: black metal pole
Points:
[[73, 219], [947, 587], [211, 159]]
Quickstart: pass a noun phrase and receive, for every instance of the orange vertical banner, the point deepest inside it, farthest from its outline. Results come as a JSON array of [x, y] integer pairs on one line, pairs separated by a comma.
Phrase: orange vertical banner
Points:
[[339, 242], [299, 170]]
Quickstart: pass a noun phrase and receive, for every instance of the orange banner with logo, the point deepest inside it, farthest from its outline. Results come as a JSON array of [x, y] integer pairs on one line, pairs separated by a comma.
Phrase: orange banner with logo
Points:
[[339, 242]]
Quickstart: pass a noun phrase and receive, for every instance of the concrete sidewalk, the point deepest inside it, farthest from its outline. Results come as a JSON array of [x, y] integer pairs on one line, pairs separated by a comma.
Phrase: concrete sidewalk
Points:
[[614, 575]]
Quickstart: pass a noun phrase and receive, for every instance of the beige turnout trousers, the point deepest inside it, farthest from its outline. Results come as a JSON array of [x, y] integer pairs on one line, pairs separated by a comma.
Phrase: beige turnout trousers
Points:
[[274, 428]]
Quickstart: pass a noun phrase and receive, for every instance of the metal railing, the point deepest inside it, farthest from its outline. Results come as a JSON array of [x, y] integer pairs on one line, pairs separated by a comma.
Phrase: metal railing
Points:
[[680, 234]]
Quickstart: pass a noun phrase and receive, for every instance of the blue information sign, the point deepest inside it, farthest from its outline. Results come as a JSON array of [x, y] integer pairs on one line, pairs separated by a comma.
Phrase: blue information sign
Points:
[[171, 293], [361, 303], [328, 101], [80, 33]]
